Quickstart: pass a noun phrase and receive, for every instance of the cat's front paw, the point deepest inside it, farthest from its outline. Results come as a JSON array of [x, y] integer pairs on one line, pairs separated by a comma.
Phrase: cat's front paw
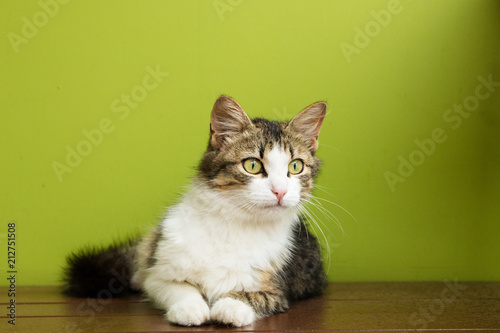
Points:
[[189, 313], [232, 312]]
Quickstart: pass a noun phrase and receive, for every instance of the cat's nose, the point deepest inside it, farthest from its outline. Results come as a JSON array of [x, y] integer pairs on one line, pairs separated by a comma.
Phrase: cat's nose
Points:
[[279, 193]]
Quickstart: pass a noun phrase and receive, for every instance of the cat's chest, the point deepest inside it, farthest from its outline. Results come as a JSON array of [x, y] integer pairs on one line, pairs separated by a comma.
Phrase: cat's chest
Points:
[[222, 259]]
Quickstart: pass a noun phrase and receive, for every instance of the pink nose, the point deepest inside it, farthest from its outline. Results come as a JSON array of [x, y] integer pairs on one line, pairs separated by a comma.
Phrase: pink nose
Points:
[[280, 193]]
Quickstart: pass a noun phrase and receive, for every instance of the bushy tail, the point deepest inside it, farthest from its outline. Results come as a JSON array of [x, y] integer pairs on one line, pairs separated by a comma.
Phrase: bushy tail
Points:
[[101, 272]]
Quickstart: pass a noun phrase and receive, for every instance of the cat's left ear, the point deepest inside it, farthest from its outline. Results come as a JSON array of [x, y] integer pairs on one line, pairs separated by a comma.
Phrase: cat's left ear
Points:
[[308, 123], [228, 119]]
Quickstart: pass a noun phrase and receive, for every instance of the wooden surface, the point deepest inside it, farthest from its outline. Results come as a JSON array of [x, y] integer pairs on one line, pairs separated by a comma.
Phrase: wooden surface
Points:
[[345, 307]]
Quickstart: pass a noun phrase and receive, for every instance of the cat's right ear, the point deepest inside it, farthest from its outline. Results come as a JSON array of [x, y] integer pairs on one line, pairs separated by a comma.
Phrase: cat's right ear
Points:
[[227, 119], [308, 123]]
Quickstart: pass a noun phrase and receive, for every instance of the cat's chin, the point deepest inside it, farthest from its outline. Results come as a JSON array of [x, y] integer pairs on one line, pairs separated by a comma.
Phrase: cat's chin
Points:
[[276, 206], [275, 209]]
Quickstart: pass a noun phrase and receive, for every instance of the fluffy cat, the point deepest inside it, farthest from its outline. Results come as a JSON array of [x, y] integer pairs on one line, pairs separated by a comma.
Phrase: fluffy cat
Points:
[[235, 248]]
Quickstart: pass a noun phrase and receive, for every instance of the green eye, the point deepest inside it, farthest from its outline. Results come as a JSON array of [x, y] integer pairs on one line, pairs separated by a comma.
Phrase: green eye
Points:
[[295, 167], [252, 165]]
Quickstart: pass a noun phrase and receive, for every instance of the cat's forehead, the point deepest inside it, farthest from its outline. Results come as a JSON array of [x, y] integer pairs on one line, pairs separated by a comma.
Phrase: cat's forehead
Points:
[[277, 159], [267, 136], [270, 130], [263, 141]]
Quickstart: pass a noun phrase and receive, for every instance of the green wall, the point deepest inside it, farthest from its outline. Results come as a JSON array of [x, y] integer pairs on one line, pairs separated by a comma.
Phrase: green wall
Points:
[[394, 74]]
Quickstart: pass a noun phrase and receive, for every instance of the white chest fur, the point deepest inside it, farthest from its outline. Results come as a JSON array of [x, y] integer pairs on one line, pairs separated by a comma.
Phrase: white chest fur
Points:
[[219, 250]]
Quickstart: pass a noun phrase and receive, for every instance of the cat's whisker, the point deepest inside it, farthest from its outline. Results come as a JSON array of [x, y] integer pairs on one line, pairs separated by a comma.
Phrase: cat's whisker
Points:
[[325, 225], [298, 212], [313, 223], [339, 206], [246, 206], [329, 215], [328, 250], [314, 218], [322, 188], [334, 148]]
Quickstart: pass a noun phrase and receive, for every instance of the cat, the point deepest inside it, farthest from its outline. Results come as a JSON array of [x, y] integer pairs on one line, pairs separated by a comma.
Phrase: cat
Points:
[[235, 248]]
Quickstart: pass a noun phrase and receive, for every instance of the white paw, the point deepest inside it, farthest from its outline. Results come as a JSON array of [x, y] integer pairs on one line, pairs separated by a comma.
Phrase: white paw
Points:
[[189, 313], [232, 312]]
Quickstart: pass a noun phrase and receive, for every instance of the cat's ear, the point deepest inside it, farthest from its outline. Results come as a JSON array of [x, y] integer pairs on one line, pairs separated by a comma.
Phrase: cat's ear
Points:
[[227, 119], [308, 123]]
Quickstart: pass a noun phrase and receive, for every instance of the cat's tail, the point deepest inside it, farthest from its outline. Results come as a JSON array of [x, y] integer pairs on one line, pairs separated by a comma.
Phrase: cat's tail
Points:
[[101, 272]]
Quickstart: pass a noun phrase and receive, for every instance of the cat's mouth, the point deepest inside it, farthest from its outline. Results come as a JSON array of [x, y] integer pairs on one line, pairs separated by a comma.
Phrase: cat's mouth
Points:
[[276, 205]]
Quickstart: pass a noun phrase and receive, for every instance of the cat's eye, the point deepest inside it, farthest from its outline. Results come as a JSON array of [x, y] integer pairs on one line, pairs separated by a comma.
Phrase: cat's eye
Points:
[[252, 165], [295, 167]]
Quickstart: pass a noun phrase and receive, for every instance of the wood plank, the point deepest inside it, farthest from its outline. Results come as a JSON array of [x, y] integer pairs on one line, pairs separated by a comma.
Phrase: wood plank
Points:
[[406, 290], [335, 290], [306, 316], [344, 307], [42, 294]]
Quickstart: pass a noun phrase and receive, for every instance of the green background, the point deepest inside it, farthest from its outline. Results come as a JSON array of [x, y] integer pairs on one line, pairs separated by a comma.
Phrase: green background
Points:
[[274, 57]]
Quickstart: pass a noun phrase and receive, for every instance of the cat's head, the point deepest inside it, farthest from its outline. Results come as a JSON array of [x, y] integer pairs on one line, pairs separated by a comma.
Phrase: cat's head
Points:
[[261, 164]]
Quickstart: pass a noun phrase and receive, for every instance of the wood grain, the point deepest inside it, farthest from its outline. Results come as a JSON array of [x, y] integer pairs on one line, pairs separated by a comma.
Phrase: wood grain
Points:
[[345, 307]]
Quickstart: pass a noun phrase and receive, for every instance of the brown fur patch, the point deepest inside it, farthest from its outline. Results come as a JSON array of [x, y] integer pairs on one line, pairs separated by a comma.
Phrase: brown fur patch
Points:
[[264, 303], [145, 255]]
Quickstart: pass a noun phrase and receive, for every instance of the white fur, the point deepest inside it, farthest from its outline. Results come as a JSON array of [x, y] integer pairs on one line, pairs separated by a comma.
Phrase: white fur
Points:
[[215, 242], [233, 312], [276, 165]]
